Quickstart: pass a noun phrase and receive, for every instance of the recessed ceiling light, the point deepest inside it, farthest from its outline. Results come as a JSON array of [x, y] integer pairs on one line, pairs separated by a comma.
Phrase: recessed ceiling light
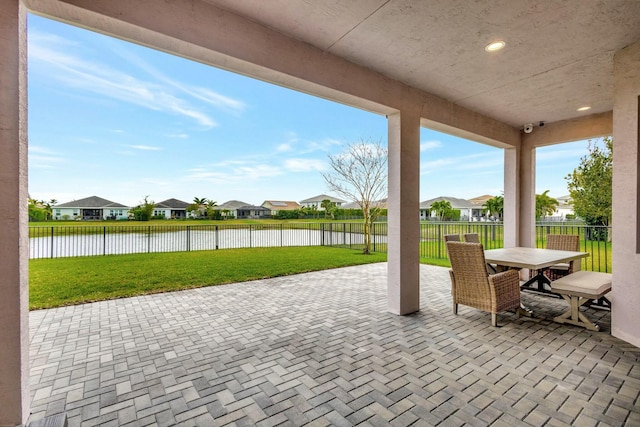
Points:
[[585, 108], [495, 46]]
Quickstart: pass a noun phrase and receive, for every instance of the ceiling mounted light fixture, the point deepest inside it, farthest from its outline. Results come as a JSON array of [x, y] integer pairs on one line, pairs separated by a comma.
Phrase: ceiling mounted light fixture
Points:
[[585, 108], [495, 46]]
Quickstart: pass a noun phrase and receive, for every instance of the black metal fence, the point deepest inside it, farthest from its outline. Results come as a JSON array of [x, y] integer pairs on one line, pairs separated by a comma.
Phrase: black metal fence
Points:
[[67, 241]]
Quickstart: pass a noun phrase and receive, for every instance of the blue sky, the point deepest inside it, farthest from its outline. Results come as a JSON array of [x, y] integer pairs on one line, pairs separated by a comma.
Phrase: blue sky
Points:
[[121, 121]]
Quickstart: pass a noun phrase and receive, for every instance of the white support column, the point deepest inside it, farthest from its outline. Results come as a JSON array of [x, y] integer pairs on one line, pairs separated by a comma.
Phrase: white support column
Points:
[[403, 282], [511, 208], [14, 253], [625, 291], [527, 197]]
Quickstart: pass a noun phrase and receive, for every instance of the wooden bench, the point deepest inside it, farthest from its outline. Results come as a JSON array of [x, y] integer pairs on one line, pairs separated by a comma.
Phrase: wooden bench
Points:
[[577, 289]]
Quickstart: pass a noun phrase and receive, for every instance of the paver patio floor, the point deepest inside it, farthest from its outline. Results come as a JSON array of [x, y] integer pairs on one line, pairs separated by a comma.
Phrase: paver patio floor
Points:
[[321, 349]]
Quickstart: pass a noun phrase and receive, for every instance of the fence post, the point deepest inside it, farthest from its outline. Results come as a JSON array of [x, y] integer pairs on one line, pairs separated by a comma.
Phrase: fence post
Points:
[[104, 240], [281, 235], [250, 242], [52, 242], [373, 235], [344, 233], [148, 239], [217, 237], [439, 241], [188, 238], [322, 234]]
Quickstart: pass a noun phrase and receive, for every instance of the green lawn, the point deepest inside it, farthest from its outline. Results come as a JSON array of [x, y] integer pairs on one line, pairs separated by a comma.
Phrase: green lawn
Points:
[[67, 281]]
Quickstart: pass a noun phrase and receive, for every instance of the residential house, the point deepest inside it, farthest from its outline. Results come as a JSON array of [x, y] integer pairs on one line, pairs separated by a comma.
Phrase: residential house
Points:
[[480, 201], [231, 207], [564, 208], [317, 201], [468, 211], [252, 212], [90, 208], [278, 205], [171, 209]]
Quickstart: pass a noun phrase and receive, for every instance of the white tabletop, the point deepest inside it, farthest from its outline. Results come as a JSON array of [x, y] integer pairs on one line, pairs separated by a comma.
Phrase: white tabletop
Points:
[[532, 258]]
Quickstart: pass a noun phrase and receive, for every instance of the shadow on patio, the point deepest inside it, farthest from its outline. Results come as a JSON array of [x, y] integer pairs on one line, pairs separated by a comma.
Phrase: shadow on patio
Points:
[[321, 349]]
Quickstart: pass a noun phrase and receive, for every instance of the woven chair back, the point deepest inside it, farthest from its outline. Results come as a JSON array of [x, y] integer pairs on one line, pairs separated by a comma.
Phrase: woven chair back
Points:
[[563, 242], [472, 238], [469, 267], [451, 237]]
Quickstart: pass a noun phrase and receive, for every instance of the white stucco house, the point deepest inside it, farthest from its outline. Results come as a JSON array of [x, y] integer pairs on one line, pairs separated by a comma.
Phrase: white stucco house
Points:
[[468, 210], [90, 208], [171, 209], [317, 201]]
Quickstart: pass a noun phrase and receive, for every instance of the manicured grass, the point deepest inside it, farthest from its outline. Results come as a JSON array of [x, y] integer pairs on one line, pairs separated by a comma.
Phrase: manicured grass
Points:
[[68, 281]]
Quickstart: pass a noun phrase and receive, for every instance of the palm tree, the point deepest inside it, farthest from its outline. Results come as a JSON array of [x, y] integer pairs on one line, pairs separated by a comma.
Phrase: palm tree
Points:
[[198, 206], [441, 207], [495, 206], [545, 205], [209, 205]]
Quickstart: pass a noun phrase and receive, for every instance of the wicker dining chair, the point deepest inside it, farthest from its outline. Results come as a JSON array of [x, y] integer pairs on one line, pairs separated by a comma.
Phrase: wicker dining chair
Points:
[[475, 238], [472, 238], [472, 286], [451, 237], [562, 242]]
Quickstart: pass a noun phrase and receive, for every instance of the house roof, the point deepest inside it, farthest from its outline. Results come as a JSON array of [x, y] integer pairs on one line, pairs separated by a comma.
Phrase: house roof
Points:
[[481, 200], [252, 208], [322, 197], [93, 202], [231, 205], [173, 204], [281, 205], [455, 203], [382, 204]]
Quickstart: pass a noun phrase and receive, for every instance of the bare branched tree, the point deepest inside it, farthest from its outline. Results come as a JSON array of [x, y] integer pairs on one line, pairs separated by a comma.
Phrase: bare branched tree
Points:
[[359, 174]]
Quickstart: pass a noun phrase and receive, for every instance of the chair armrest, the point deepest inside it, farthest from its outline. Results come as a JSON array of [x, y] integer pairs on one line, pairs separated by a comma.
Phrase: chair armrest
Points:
[[505, 286]]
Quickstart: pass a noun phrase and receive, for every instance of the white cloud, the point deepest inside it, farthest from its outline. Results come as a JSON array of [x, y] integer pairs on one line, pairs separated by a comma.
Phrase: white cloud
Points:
[[304, 165], [99, 78], [40, 150], [228, 172], [209, 96], [463, 163], [145, 147], [43, 158], [284, 147], [430, 145], [178, 135]]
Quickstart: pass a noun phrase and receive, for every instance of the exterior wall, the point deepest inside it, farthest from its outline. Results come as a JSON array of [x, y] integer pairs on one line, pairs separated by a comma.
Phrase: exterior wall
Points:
[[162, 211], [119, 213], [625, 290], [14, 233], [72, 213]]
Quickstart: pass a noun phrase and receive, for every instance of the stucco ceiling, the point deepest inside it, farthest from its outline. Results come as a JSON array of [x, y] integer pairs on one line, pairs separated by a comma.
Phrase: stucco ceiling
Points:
[[558, 54]]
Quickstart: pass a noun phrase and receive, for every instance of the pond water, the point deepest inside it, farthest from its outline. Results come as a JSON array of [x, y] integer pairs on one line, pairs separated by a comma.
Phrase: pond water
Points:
[[185, 240]]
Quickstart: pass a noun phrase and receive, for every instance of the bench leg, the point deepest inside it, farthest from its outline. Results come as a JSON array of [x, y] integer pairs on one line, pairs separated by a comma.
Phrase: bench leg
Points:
[[573, 316]]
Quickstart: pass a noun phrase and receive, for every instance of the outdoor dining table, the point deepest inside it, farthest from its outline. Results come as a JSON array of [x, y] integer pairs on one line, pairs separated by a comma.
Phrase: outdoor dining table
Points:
[[533, 259]]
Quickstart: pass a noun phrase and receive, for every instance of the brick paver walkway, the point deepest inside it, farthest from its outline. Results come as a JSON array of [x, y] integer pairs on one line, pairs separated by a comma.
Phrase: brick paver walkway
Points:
[[321, 349]]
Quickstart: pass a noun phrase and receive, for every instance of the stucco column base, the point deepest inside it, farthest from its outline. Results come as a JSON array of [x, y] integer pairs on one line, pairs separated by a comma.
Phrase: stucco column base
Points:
[[403, 283]]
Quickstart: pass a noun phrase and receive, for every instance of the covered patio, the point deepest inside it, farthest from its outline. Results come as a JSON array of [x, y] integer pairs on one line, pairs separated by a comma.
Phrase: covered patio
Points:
[[320, 349], [570, 68]]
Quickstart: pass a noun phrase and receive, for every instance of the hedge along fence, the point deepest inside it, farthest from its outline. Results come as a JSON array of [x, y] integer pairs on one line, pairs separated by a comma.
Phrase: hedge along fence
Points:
[[65, 241]]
